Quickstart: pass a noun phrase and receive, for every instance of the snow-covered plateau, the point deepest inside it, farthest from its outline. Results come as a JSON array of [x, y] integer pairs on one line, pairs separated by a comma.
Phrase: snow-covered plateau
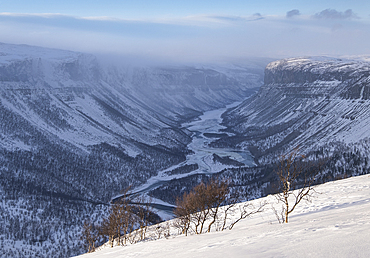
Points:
[[313, 102], [336, 223]]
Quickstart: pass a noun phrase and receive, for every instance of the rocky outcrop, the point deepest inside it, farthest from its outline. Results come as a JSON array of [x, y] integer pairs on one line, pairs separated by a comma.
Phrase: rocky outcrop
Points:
[[306, 102]]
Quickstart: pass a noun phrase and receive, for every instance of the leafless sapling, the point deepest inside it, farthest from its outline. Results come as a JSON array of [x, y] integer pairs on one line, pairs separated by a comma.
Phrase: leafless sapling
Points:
[[295, 181], [201, 206], [89, 236]]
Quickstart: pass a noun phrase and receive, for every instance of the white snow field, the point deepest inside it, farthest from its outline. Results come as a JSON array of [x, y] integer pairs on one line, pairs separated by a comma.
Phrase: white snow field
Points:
[[335, 224]]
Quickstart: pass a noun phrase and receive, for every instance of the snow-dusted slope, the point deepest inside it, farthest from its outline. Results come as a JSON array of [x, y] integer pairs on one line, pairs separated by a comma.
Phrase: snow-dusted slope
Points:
[[307, 102], [335, 224], [75, 131], [76, 102], [76, 99]]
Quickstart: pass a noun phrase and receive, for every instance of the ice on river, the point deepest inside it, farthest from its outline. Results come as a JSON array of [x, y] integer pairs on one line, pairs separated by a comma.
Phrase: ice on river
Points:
[[202, 155]]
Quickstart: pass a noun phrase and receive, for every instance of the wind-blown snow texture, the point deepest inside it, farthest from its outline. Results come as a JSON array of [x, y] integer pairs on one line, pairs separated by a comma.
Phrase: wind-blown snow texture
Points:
[[335, 224]]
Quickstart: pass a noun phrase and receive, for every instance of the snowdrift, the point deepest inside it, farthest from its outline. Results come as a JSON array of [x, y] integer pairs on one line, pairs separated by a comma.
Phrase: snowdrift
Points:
[[335, 224]]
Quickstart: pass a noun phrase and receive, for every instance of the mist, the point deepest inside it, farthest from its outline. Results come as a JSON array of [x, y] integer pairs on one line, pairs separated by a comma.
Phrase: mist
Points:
[[196, 38]]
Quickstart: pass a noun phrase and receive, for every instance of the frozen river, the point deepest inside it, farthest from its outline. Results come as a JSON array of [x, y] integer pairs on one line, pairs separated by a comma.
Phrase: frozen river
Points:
[[209, 122]]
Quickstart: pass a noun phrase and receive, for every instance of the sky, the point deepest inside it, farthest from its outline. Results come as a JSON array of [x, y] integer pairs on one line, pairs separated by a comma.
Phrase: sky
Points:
[[191, 30]]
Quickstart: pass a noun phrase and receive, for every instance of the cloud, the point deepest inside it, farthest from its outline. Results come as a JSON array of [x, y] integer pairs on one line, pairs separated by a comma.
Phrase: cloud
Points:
[[257, 16], [215, 20], [198, 37], [332, 14], [292, 13], [106, 25], [337, 27], [226, 18]]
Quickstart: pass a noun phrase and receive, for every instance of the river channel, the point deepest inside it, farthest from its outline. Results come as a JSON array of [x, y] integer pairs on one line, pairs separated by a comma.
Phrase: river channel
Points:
[[210, 123], [202, 154]]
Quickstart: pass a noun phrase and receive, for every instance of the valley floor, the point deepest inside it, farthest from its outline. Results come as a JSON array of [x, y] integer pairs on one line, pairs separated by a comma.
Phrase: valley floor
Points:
[[335, 224]]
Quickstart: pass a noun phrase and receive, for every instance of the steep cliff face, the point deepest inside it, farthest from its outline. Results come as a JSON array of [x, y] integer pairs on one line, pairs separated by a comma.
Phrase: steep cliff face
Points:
[[306, 102]]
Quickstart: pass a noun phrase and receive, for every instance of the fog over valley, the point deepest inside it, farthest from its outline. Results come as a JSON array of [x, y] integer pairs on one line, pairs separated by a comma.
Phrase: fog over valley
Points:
[[128, 124]]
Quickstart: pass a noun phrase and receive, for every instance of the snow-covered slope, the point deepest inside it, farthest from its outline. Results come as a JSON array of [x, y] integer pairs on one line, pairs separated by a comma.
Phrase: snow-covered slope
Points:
[[335, 224], [306, 102], [71, 100], [75, 131], [78, 100]]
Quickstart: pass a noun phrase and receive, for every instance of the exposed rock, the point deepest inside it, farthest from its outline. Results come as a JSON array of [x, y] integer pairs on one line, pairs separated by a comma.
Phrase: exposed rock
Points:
[[306, 102]]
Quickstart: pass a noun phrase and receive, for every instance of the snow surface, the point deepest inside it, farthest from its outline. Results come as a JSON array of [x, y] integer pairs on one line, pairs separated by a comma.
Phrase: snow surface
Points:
[[335, 224], [322, 64], [10, 53]]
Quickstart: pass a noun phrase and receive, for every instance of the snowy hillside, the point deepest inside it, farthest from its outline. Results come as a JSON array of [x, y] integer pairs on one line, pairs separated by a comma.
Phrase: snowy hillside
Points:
[[80, 101], [75, 131], [310, 102], [335, 224], [89, 112], [320, 104]]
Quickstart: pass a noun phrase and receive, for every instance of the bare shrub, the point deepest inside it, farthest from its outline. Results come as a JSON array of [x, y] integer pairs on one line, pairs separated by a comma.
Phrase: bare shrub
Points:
[[246, 210], [184, 209], [144, 214], [209, 206], [89, 236], [296, 179], [200, 206], [123, 219]]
